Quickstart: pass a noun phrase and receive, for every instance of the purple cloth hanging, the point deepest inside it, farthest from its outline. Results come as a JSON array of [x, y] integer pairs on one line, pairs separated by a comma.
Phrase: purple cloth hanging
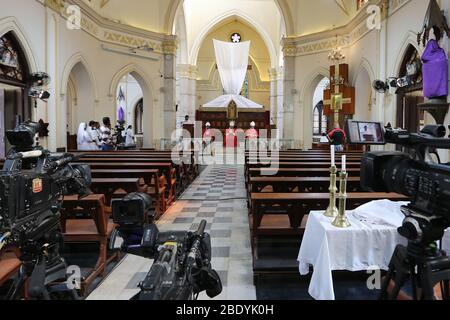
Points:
[[121, 115], [435, 71]]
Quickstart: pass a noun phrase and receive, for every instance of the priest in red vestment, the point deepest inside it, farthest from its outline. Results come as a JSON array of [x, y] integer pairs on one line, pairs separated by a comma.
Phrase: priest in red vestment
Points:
[[252, 133], [231, 136]]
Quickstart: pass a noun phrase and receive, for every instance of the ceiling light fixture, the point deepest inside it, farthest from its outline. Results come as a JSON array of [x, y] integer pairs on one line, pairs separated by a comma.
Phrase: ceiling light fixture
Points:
[[336, 54]]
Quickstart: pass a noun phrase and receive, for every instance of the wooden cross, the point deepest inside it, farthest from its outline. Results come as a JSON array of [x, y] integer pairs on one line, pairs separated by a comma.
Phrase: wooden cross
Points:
[[339, 99]]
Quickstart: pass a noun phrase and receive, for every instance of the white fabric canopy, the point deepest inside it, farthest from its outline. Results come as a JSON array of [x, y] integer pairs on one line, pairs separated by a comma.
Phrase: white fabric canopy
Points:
[[241, 102], [232, 62]]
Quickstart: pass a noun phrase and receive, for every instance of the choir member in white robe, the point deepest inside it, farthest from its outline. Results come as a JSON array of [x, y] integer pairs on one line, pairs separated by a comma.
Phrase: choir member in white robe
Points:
[[83, 139]]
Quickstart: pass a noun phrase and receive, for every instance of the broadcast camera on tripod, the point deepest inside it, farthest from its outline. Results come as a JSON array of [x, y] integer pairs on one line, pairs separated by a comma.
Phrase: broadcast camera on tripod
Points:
[[182, 260], [427, 216], [32, 184]]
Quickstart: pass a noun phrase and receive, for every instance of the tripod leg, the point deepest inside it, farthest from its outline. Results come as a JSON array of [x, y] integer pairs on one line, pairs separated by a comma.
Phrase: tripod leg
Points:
[[384, 295], [17, 287]]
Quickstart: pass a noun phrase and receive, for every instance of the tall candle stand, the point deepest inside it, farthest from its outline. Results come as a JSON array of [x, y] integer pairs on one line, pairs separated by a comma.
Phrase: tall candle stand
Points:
[[332, 210], [341, 220]]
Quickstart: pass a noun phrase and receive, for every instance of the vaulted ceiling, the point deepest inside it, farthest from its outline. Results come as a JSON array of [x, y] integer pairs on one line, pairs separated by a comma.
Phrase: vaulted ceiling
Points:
[[300, 16]]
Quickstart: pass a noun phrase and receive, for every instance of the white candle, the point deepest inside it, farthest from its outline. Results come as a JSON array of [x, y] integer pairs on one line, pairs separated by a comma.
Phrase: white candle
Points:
[[333, 156], [344, 163]]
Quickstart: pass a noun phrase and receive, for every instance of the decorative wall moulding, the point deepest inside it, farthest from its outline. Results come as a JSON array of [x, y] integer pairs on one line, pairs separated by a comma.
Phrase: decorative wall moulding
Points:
[[348, 34], [112, 32]]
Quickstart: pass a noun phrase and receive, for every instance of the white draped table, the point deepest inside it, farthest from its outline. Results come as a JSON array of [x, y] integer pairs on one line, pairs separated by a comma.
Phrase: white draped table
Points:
[[367, 245]]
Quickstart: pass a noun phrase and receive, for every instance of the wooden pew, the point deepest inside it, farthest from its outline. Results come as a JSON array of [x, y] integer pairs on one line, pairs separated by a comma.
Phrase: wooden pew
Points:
[[186, 170], [95, 226], [153, 183], [164, 167], [299, 204], [298, 184], [114, 187], [282, 217]]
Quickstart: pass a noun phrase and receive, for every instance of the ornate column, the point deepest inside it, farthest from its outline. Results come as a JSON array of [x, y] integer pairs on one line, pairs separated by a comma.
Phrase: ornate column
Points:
[[187, 88], [273, 74], [169, 47], [289, 90]]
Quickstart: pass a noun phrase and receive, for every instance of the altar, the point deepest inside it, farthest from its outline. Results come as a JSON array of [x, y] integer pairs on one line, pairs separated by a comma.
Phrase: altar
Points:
[[232, 63]]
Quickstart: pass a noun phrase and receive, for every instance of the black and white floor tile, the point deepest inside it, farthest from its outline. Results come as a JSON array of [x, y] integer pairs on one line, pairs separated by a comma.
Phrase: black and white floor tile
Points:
[[217, 196]]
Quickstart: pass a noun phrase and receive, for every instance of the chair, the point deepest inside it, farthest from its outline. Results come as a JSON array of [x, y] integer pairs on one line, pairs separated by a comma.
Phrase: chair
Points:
[[88, 220], [9, 265]]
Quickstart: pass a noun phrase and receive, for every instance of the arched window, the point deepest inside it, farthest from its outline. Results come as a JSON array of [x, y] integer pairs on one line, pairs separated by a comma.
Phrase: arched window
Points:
[[15, 104], [320, 124], [320, 120], [138, 117], [13, 66]]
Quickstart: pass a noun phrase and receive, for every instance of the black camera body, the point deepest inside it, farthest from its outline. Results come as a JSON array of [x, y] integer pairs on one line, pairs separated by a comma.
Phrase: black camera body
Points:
[[412, 174], [182, 260], [32, 184]]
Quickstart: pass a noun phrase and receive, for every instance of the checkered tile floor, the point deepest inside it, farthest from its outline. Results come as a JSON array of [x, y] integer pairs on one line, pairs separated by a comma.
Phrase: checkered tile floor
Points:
[[217, 196]]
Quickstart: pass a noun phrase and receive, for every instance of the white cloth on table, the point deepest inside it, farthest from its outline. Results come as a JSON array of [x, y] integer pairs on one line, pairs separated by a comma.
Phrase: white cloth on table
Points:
[[368, 244]]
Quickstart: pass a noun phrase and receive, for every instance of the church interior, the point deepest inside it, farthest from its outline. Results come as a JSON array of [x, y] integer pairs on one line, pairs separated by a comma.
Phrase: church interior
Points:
[[229, 150]]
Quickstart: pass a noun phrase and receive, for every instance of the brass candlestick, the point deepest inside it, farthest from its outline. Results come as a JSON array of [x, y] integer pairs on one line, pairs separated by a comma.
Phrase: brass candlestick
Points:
[[332, 210], [341, 220]]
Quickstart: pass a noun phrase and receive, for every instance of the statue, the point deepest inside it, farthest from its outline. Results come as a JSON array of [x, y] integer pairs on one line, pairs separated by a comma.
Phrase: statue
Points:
[[232, 112]]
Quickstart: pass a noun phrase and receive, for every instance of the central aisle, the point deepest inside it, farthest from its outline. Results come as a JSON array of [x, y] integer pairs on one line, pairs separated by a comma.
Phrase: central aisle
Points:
[[218, 196]]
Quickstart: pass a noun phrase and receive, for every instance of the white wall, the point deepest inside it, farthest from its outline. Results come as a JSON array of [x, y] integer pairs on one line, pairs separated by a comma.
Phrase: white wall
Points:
[[56, 49]]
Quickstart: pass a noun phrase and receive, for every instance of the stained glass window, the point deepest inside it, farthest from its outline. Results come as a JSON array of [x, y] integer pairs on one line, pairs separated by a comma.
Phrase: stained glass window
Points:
[[11, 65]]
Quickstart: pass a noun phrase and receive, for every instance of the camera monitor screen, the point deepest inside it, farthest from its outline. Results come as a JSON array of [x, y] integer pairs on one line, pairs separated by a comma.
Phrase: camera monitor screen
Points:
[[362, 132]]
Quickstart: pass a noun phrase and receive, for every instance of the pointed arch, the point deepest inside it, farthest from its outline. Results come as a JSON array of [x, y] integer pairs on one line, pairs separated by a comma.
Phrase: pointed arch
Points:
[[193, 55], [10, 24], [365, 64], [70, 64], [410, 39], [150, 119], [130, 68], [304, 115]]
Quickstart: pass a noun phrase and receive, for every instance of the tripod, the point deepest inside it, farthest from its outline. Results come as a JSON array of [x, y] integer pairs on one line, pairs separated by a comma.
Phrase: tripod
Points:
[[424, 266], [42, 266]]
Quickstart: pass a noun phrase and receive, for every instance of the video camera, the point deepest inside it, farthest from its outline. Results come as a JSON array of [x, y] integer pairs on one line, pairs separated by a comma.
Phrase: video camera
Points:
[[412, 174], [32, 184], [182, 260]]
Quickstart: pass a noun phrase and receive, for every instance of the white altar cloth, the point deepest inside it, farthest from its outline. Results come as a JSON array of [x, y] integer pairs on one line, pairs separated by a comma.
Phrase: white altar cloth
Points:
[[367, 245]]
